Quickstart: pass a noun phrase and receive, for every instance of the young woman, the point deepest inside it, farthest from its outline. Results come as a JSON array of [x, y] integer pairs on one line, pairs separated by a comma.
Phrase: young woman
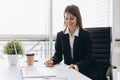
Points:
[[74, 44]]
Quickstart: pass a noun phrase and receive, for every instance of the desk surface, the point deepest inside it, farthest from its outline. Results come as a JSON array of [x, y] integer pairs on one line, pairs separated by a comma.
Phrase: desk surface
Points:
[[116, 73], [8, 72]]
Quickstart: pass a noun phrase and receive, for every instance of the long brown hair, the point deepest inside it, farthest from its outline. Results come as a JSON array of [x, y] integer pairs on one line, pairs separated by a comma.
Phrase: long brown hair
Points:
[[74, 10]]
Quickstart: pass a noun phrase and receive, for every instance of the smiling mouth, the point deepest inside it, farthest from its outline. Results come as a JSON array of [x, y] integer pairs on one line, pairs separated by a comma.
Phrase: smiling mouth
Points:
[[70, 24]]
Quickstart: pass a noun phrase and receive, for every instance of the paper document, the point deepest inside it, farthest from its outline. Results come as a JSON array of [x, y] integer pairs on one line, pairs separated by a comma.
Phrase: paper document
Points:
[[33, 72]]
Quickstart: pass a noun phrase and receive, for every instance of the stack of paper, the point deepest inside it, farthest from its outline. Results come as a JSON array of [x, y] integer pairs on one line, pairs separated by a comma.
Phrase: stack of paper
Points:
[[33, 72]]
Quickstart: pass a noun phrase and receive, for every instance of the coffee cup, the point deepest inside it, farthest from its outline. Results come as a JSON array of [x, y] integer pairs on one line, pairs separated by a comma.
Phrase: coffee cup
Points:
[[30, 59]]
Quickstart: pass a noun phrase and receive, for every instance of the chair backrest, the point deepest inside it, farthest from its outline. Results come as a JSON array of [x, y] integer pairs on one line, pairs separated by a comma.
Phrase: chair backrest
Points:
[[101, 37]]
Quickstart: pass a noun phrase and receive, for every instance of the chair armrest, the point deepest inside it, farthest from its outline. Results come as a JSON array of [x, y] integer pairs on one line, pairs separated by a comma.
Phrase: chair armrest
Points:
[[109, 72]]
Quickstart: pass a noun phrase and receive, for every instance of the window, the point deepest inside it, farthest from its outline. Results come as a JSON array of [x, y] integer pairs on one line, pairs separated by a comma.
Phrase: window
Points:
[[23, 17], [95, 13], [33, 21], [25, 20]]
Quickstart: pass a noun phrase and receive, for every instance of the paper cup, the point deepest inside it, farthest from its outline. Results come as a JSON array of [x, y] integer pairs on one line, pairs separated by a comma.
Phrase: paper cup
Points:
[[30, 59]]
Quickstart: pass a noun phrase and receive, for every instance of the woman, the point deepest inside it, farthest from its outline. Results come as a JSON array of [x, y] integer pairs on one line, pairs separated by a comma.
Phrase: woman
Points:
[[75, 45]]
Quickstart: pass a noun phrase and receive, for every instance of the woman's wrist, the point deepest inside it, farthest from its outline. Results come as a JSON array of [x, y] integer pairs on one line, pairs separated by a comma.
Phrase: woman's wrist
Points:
[[74, 66]]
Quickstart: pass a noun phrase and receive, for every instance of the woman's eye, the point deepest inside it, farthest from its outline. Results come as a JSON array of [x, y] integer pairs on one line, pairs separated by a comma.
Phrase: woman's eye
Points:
[[66, 18], [71, 18]]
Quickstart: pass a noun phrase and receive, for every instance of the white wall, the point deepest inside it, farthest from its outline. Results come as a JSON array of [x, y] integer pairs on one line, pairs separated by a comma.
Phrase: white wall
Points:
[[116, 54], [116, 33], [116, 17]]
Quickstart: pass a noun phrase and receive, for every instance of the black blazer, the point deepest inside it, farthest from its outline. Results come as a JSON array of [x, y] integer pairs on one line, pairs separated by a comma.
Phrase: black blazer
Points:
[[82, 50]]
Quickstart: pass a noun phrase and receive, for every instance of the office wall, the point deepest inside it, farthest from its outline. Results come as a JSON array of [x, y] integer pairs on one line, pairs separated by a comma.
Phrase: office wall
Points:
[[116, 17], [116, 33]]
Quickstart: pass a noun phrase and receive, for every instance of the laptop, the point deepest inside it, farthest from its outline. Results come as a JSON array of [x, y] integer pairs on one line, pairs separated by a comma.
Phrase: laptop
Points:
[[33, 72]]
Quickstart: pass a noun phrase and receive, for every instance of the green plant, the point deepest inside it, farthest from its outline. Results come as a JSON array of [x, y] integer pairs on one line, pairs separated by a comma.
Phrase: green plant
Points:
[[9, 48]]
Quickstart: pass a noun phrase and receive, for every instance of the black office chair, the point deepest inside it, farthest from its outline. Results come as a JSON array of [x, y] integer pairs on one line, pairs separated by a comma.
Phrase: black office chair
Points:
[[101, 37]]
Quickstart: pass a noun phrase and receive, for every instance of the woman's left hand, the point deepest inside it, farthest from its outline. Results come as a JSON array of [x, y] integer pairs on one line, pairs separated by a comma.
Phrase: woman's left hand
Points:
[[73, 66]]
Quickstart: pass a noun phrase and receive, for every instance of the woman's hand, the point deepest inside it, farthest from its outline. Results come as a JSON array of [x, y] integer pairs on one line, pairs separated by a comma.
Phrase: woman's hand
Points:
[[49, 63], [72, 66]]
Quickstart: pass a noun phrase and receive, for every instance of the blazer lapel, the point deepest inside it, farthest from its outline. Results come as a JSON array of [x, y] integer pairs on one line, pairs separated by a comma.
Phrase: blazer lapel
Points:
[[77, 41], [66, 44], [66, 40], [75, 45]]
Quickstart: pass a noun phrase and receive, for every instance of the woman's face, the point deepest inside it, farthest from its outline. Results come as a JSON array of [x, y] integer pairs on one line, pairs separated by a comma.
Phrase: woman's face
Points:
[[70, 20]]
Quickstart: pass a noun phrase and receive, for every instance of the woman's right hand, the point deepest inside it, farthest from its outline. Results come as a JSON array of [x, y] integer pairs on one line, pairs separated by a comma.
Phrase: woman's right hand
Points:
[[49, 63]]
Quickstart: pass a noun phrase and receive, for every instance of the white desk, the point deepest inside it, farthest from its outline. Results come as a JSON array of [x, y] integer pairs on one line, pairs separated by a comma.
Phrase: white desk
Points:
[[13, 72], [9, 72], [116, 73]]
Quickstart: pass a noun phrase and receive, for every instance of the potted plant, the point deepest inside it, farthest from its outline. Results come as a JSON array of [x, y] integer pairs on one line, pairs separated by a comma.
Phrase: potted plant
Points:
[[13, 48]]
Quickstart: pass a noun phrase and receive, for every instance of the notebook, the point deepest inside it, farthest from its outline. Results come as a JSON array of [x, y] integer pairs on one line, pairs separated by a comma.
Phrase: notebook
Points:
[[33, 72]]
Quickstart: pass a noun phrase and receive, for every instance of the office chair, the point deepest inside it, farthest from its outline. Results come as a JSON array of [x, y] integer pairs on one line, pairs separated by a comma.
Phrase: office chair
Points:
[[101, 37]]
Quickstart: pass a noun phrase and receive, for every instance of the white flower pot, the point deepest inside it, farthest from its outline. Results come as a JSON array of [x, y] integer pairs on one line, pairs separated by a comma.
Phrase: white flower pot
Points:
[[13, 59]]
